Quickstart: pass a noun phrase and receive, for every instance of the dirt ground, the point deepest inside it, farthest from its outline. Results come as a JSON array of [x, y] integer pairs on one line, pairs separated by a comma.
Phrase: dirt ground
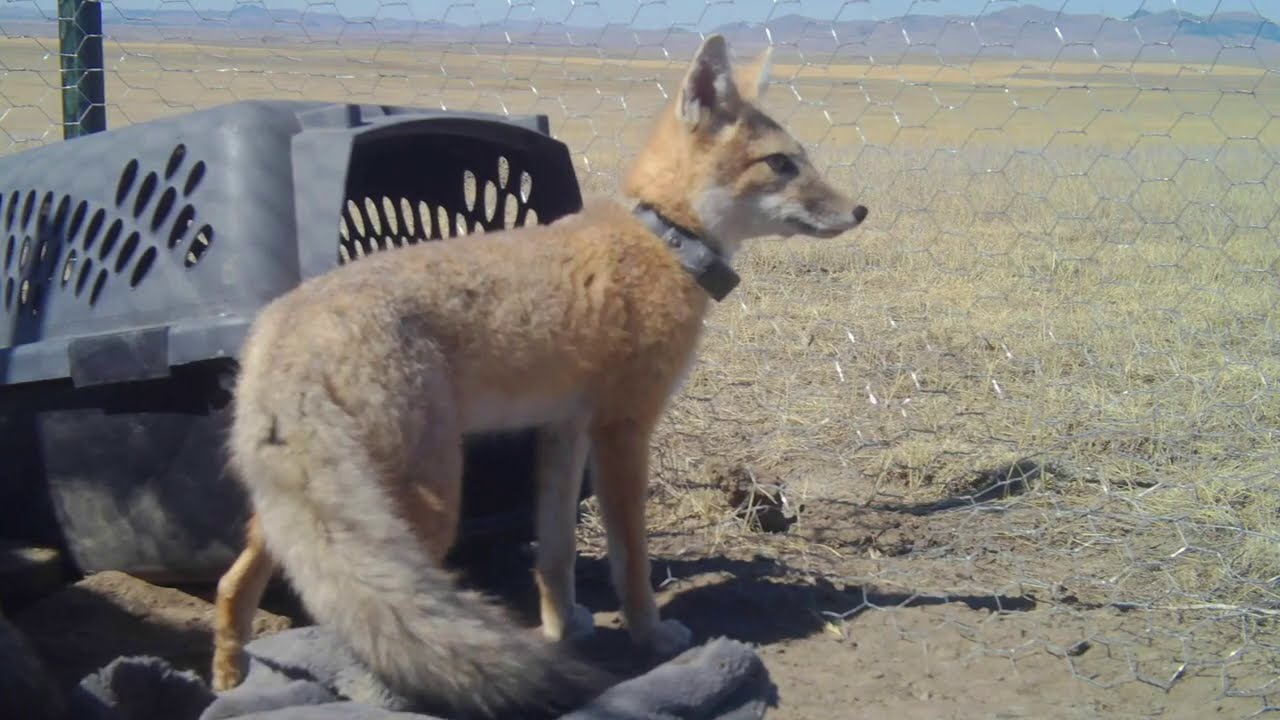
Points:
[[834, 647], [86, 625], [997, 653]]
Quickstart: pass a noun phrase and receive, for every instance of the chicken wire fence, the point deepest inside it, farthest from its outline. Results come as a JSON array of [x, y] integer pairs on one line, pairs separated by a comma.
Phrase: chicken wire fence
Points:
[[1045, 368]]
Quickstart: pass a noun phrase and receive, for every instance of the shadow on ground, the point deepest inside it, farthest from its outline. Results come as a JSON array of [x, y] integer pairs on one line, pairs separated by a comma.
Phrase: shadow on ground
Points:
[[76, 632], [759, 601]]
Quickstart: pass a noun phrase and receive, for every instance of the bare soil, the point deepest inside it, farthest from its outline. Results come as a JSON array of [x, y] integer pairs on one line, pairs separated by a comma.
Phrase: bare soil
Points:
[[834, 647], [927, 611], [850, 650], [86, 625]]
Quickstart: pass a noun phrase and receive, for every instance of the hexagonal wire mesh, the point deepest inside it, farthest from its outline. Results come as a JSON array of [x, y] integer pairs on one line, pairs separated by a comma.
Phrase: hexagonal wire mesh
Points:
[[1028, 413]]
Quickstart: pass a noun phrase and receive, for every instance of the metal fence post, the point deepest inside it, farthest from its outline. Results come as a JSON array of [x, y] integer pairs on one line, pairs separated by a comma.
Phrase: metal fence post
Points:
[[84, 109]]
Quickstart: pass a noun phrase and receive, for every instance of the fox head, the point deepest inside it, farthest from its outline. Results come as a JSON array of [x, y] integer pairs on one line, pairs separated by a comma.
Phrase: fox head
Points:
[[720, 166]]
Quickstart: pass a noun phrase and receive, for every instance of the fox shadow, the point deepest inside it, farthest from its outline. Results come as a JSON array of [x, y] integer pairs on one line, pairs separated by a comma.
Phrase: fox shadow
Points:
[[757, 601]]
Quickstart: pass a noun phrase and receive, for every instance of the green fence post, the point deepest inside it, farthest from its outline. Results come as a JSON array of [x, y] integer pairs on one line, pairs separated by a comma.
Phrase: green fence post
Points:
[[84, 108]]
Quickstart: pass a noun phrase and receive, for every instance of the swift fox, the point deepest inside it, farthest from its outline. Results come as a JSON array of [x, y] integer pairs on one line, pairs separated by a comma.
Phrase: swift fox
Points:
[[356, 389]]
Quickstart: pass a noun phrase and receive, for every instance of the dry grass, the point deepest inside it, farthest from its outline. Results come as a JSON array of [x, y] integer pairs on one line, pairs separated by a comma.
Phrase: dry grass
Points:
[[1141, 372], [1086, 279]]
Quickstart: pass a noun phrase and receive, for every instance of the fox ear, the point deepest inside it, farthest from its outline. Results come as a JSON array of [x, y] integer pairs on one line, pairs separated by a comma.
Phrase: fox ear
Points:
[[753, 79], [708, 88]]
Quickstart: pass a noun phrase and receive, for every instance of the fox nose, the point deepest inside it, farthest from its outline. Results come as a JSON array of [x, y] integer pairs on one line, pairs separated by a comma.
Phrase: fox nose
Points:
[[860, 214]]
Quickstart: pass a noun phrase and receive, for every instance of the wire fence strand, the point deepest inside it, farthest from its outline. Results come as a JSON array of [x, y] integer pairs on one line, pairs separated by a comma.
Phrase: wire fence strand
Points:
[[1039, 385]]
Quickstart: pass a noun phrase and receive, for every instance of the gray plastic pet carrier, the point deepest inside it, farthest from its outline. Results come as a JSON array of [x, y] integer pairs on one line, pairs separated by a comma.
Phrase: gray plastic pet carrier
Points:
[[134, 261]]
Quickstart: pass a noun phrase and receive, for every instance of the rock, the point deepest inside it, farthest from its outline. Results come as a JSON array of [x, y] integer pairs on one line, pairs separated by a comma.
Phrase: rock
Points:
[[85, 626]]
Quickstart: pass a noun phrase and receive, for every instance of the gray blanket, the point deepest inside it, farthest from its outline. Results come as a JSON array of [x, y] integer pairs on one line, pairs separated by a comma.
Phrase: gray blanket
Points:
[[305, 674]]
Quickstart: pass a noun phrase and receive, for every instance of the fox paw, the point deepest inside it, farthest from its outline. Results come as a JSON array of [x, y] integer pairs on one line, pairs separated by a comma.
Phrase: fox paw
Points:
[[670, 638], [227, 672], [579, 625]]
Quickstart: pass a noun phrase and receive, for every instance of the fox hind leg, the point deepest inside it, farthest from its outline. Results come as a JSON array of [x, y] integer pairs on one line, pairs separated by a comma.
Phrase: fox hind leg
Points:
[[430, 493], [239, 593]]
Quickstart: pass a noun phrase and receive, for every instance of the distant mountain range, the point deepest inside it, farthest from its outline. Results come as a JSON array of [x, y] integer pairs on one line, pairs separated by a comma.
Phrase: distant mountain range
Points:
[[1025, 32]]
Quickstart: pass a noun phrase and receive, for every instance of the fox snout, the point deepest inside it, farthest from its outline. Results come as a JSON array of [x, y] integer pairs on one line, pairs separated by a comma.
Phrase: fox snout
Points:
[[827, 215]]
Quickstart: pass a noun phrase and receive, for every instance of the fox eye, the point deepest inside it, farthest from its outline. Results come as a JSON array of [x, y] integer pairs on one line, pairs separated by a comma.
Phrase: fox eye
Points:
[[781, 164]]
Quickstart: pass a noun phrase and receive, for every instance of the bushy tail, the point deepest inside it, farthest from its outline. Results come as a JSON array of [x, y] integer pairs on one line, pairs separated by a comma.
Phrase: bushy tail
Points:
[[360, 570]]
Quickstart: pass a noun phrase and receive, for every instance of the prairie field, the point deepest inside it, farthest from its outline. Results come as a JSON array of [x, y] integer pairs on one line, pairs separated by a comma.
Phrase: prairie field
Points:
[[1027, 417]]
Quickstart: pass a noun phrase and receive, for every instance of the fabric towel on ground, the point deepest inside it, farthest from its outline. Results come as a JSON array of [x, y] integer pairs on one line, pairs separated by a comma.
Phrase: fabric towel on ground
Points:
[[307, 674]]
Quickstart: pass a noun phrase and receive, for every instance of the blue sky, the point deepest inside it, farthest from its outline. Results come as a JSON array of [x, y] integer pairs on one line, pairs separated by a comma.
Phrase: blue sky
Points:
[[693, 14]]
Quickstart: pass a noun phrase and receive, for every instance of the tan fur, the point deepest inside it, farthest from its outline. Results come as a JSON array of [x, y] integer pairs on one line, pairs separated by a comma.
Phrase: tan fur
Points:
[[357, 387]]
